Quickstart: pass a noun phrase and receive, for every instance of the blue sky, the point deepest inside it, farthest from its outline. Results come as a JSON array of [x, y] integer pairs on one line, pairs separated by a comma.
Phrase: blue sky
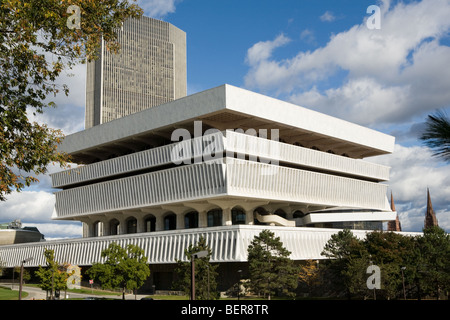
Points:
[[219, 33], [317, 54]]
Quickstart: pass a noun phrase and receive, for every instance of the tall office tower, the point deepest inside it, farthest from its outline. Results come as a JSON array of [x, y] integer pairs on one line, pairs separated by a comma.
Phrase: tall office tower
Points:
[[149, 70]]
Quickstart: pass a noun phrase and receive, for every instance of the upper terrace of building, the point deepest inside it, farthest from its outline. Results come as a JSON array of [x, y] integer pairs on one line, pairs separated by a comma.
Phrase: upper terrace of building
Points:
[[225, 107]]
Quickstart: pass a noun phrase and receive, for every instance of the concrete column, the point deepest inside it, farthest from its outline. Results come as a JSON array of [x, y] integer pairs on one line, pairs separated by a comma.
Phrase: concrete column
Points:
[[90, 229], [226, 206], [226, 216], [202, 219], [122, 227], [84, 229], [179, 212], [249, 207], [158, 214], [249, 217], [140, 224], [122, 224], [105, 227], [180, 220], [97, 228], [159, 225], [89, 226], [202, 209]]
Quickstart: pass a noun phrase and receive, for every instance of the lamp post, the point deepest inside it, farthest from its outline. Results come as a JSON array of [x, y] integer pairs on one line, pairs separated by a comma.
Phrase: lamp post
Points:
[[21, 276], [403, 280], [200, 254], [207, 266], [239, 283]]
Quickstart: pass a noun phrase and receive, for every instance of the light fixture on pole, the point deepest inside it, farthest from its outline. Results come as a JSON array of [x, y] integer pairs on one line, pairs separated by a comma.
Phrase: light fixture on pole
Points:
[[21, 275], [403, 281], [200, 254], [239, 283]]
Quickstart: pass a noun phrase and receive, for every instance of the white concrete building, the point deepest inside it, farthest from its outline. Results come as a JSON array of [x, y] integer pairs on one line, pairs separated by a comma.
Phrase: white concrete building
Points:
[[246, 162]]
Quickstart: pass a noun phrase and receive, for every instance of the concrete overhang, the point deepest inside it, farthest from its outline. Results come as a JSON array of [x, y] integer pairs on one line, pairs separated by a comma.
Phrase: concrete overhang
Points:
[[225, 107], [382, 216]]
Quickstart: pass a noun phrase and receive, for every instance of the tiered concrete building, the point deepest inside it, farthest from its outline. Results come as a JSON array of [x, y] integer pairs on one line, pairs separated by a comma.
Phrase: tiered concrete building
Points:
[[224, 164], [245, 162], [136, 177]]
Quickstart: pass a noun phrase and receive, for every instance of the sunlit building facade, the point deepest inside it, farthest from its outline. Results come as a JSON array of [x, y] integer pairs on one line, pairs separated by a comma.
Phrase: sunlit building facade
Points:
[[159, 169], [223, 164], [149, 70]]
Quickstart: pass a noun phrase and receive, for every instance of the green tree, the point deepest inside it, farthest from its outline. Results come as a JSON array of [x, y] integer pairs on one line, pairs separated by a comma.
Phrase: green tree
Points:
[[123, 268], [271, 271], [53, 277], [437, 134], [433, 269], [36, 45], [419, 263], [390, 251], [26, 276], [205, 273], [345, 269]]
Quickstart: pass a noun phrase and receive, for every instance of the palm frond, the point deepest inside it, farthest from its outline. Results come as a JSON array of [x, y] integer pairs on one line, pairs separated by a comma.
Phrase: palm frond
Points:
[[437, 134]]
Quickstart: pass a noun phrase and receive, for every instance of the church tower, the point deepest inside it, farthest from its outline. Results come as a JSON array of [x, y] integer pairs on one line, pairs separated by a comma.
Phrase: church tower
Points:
[[394, 225], [430, 216]]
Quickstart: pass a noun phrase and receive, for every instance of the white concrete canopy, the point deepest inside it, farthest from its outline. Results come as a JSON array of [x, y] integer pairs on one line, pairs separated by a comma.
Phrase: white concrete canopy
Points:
[[225, 107]]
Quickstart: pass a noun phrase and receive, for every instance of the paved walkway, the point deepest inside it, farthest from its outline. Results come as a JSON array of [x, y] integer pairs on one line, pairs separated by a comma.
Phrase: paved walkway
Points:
[[38, 294]]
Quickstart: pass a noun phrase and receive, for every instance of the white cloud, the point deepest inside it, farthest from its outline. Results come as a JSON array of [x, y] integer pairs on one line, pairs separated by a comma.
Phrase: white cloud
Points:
[[158, 8], [393, 73], [68, 115], [27, 206], [34, 208], [361, 100], [328, 16], [413, 170], [61, 230], [262, 50], [308, 37]]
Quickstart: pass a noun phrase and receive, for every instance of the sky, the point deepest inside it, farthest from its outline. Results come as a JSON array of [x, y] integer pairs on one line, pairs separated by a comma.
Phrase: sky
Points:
[[386, 70]]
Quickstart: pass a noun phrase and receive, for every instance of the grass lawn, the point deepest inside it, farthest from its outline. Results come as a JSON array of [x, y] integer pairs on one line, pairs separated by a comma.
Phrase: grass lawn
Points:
[[95, 292], [8, 294], [86, 290], [168, 297]]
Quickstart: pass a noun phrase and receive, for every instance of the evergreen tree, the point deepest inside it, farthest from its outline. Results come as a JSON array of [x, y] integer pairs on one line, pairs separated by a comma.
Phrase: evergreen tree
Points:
[[433, 272], [389, 251], [407, 263], [271, 271], [346, 266], [205, 273]]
